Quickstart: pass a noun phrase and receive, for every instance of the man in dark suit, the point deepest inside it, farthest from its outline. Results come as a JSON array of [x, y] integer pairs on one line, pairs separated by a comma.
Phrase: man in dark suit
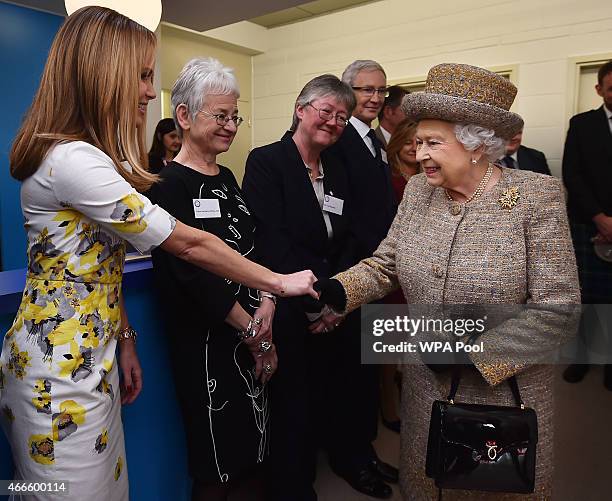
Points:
[[587, 174], [354, 419], [524, 158], [390, 115]]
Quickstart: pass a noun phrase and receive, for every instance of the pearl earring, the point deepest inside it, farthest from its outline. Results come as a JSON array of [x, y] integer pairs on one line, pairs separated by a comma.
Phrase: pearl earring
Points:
[[474, 162]]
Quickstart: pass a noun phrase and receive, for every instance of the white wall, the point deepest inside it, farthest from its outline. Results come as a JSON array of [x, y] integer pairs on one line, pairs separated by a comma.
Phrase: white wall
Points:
[[408, 37]]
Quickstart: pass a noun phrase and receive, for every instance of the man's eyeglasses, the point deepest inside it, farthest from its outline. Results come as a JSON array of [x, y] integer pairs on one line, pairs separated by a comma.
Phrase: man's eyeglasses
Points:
[[341, 120], [369, 91], [223, 119]]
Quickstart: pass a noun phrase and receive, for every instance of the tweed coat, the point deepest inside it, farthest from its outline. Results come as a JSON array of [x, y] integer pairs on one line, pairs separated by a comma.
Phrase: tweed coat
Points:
[[441, 252]]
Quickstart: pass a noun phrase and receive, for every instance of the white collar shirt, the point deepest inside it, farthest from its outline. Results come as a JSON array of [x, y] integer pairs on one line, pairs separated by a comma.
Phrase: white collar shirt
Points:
[[363, 129]]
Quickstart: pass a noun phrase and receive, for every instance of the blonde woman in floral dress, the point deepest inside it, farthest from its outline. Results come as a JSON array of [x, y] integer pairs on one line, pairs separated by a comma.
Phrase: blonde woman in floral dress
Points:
[[80, 159]]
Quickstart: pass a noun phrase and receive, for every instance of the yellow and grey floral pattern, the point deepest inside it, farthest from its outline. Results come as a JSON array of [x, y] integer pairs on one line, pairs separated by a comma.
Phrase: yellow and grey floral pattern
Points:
[[58, 375]]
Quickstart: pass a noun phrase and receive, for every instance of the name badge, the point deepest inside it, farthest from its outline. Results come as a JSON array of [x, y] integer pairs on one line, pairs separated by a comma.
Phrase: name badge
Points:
[[333, 204], [206, 208]]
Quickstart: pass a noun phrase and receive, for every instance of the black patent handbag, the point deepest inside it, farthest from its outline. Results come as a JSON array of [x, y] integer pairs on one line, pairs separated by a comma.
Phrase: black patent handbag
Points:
[[482, 447]]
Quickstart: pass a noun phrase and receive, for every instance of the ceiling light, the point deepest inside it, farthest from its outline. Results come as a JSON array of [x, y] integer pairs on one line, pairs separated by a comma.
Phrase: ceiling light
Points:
[[145, 12]]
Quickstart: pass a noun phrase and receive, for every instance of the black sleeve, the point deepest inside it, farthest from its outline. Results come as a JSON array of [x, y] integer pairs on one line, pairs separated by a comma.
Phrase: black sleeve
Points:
[[545, 168], [207, 293], [156, 164], [580, 194], [263, 190]]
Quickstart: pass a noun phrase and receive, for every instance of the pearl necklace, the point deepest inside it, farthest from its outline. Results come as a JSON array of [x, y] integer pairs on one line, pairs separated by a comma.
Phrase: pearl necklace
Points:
[[479, 189]]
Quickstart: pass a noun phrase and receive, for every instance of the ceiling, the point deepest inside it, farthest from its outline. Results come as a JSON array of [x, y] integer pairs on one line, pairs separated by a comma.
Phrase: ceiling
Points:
[[202, 15], [304, 11]]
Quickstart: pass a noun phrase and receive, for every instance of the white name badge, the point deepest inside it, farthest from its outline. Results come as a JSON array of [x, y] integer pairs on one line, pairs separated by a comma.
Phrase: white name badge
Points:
[[333, 204], [206, 208]]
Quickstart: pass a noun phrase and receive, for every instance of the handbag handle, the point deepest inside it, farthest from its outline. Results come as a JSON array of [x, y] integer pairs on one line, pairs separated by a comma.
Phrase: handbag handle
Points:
[[456, 377]]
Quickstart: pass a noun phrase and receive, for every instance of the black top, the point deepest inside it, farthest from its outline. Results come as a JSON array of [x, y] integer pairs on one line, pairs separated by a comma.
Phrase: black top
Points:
[[587, 166], [225, 410], [197, 293], [291, 234], [156, 163]]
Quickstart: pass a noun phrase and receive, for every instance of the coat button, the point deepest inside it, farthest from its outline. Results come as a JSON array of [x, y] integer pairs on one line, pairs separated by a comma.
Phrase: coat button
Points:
[[455, 209], [437, 271]]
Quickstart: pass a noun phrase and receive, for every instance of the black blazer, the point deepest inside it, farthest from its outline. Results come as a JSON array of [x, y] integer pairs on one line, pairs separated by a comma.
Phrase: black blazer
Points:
[[587, 166], [290, 231], [374, 204], [533, 160]]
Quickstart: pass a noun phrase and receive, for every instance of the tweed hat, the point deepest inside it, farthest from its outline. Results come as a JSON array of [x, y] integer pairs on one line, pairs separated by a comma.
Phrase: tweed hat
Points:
[[466, 94]]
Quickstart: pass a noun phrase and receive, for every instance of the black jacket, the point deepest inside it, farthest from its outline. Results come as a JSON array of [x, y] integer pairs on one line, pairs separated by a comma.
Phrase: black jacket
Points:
[[533, 160], [587, 166], [290, 231], [374, 204]]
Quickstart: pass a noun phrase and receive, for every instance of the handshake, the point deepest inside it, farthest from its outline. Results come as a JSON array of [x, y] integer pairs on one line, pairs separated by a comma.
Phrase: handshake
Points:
[[324, 312]]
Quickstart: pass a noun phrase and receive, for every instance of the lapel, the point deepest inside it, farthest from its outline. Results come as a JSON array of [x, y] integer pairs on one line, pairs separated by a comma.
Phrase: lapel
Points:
[[381, 138], [335, 184], [523, 158], [356, 148], [302, 196], [602, 129], [366, 171]]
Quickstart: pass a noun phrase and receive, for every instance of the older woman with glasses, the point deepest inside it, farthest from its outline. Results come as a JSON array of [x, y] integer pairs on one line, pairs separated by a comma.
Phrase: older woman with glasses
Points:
[[219, 331], [298, 194]]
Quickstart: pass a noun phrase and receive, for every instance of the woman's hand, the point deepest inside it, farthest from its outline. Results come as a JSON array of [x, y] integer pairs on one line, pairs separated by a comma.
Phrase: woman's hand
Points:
[[297, 284], [131, 385], [604, 227], [266, 313], [328, 322], [265, 364]]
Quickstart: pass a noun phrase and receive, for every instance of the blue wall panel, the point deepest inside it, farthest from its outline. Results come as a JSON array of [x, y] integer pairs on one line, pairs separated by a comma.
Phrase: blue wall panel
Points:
[[155, 442], [25, 38]]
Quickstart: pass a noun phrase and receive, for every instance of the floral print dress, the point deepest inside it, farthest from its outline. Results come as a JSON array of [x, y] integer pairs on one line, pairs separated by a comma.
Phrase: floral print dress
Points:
[[59, 381]]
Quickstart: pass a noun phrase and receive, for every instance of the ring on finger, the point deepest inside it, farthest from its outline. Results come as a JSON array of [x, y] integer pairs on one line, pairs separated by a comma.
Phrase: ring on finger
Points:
[[258, 321], [268, 368], [265, 346]]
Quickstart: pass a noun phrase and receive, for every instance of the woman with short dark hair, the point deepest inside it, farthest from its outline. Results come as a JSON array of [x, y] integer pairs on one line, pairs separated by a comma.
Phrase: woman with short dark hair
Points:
[[298, 195]]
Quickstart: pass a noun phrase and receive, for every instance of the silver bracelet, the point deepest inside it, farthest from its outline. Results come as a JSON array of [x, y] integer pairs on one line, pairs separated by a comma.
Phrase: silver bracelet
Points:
[[270, 296], [248, 332]]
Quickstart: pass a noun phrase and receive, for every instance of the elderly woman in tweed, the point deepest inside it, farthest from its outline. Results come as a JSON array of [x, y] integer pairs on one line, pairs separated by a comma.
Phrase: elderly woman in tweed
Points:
[[470, 232]]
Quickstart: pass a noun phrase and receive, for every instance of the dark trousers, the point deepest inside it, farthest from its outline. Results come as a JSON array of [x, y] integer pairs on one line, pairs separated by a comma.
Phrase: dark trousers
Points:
[[595, 277], [353, 412], [595, 274], [299, 404]]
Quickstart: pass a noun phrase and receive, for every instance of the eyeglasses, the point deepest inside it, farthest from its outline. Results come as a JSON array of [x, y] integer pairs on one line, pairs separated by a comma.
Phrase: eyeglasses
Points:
[[223, 119], [369, 91], [341, 120]]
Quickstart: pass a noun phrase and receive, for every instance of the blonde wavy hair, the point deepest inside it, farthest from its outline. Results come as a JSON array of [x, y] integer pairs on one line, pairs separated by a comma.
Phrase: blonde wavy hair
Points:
[[89, 92]]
